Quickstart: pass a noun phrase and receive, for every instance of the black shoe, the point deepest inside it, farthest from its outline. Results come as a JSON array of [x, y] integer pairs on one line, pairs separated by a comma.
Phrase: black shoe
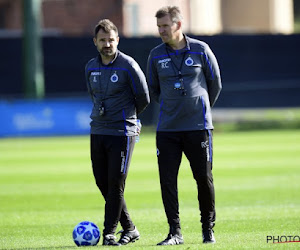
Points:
[[208, 236], [172, 240], [110, 240], [129, 236]]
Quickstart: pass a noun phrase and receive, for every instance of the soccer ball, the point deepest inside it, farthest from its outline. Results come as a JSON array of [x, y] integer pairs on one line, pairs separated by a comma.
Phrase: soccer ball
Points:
[[86, 233]]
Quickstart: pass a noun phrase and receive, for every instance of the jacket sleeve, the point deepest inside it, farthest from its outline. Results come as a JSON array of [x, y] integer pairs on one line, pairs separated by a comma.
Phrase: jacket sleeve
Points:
[[152, 79], [140, 88], [212, 75], [87, 75]]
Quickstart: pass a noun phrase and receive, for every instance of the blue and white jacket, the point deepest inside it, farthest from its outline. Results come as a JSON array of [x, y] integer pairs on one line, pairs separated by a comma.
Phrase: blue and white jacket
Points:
[[186, 83], [122, 89]]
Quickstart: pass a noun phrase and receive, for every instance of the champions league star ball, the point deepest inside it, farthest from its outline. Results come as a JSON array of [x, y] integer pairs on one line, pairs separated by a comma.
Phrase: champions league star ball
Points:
[[86, 234]]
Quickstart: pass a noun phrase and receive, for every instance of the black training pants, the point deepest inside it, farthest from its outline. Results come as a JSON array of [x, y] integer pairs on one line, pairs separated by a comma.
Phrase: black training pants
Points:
[[197, 146], [111, 157]]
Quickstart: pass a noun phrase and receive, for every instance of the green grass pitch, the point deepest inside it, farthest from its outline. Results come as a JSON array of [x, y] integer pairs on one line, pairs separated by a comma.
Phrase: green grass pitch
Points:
[[47, 187]]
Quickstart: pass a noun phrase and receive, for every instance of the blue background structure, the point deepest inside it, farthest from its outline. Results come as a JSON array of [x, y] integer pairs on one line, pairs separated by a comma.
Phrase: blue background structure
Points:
[[258, 71], [43, 118]]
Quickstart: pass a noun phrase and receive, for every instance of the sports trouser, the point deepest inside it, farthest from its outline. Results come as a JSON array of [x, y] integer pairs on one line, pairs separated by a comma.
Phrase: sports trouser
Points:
[[197, 147], [111, 157]]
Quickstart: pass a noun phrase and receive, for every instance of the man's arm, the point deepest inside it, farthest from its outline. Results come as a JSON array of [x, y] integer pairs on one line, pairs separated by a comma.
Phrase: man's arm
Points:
[[212, 75], [153, 81], [140, 88], [87, 81]]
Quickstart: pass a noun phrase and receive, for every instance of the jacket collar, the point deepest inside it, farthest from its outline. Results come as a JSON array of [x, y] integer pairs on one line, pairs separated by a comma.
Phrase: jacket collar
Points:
[[187, 47]]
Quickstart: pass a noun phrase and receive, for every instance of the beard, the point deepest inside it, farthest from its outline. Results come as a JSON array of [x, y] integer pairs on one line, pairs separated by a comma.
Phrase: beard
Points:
[[107, 52]]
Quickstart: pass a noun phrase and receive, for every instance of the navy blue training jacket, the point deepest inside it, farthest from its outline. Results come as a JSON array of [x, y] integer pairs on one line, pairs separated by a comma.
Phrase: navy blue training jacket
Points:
[[186, 83], [122, 89]]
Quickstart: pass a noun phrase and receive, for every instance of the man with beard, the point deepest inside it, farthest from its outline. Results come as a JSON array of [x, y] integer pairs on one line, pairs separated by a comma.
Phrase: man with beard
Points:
[[119, 93]]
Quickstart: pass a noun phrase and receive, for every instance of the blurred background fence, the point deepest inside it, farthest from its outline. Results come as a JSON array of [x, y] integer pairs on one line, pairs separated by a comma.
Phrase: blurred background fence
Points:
[[259, 67]]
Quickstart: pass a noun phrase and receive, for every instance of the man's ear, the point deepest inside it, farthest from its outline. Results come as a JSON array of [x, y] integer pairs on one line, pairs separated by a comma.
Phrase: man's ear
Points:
[[94, 40], [179, 25]]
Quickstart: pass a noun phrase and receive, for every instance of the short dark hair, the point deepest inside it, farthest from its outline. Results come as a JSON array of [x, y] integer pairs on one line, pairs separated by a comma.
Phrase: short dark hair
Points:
[[106, 25], [173, 11]]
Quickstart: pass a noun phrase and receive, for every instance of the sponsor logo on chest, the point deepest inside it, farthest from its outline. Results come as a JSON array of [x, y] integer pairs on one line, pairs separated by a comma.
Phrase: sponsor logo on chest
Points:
[[164, 63], [113, 78]]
